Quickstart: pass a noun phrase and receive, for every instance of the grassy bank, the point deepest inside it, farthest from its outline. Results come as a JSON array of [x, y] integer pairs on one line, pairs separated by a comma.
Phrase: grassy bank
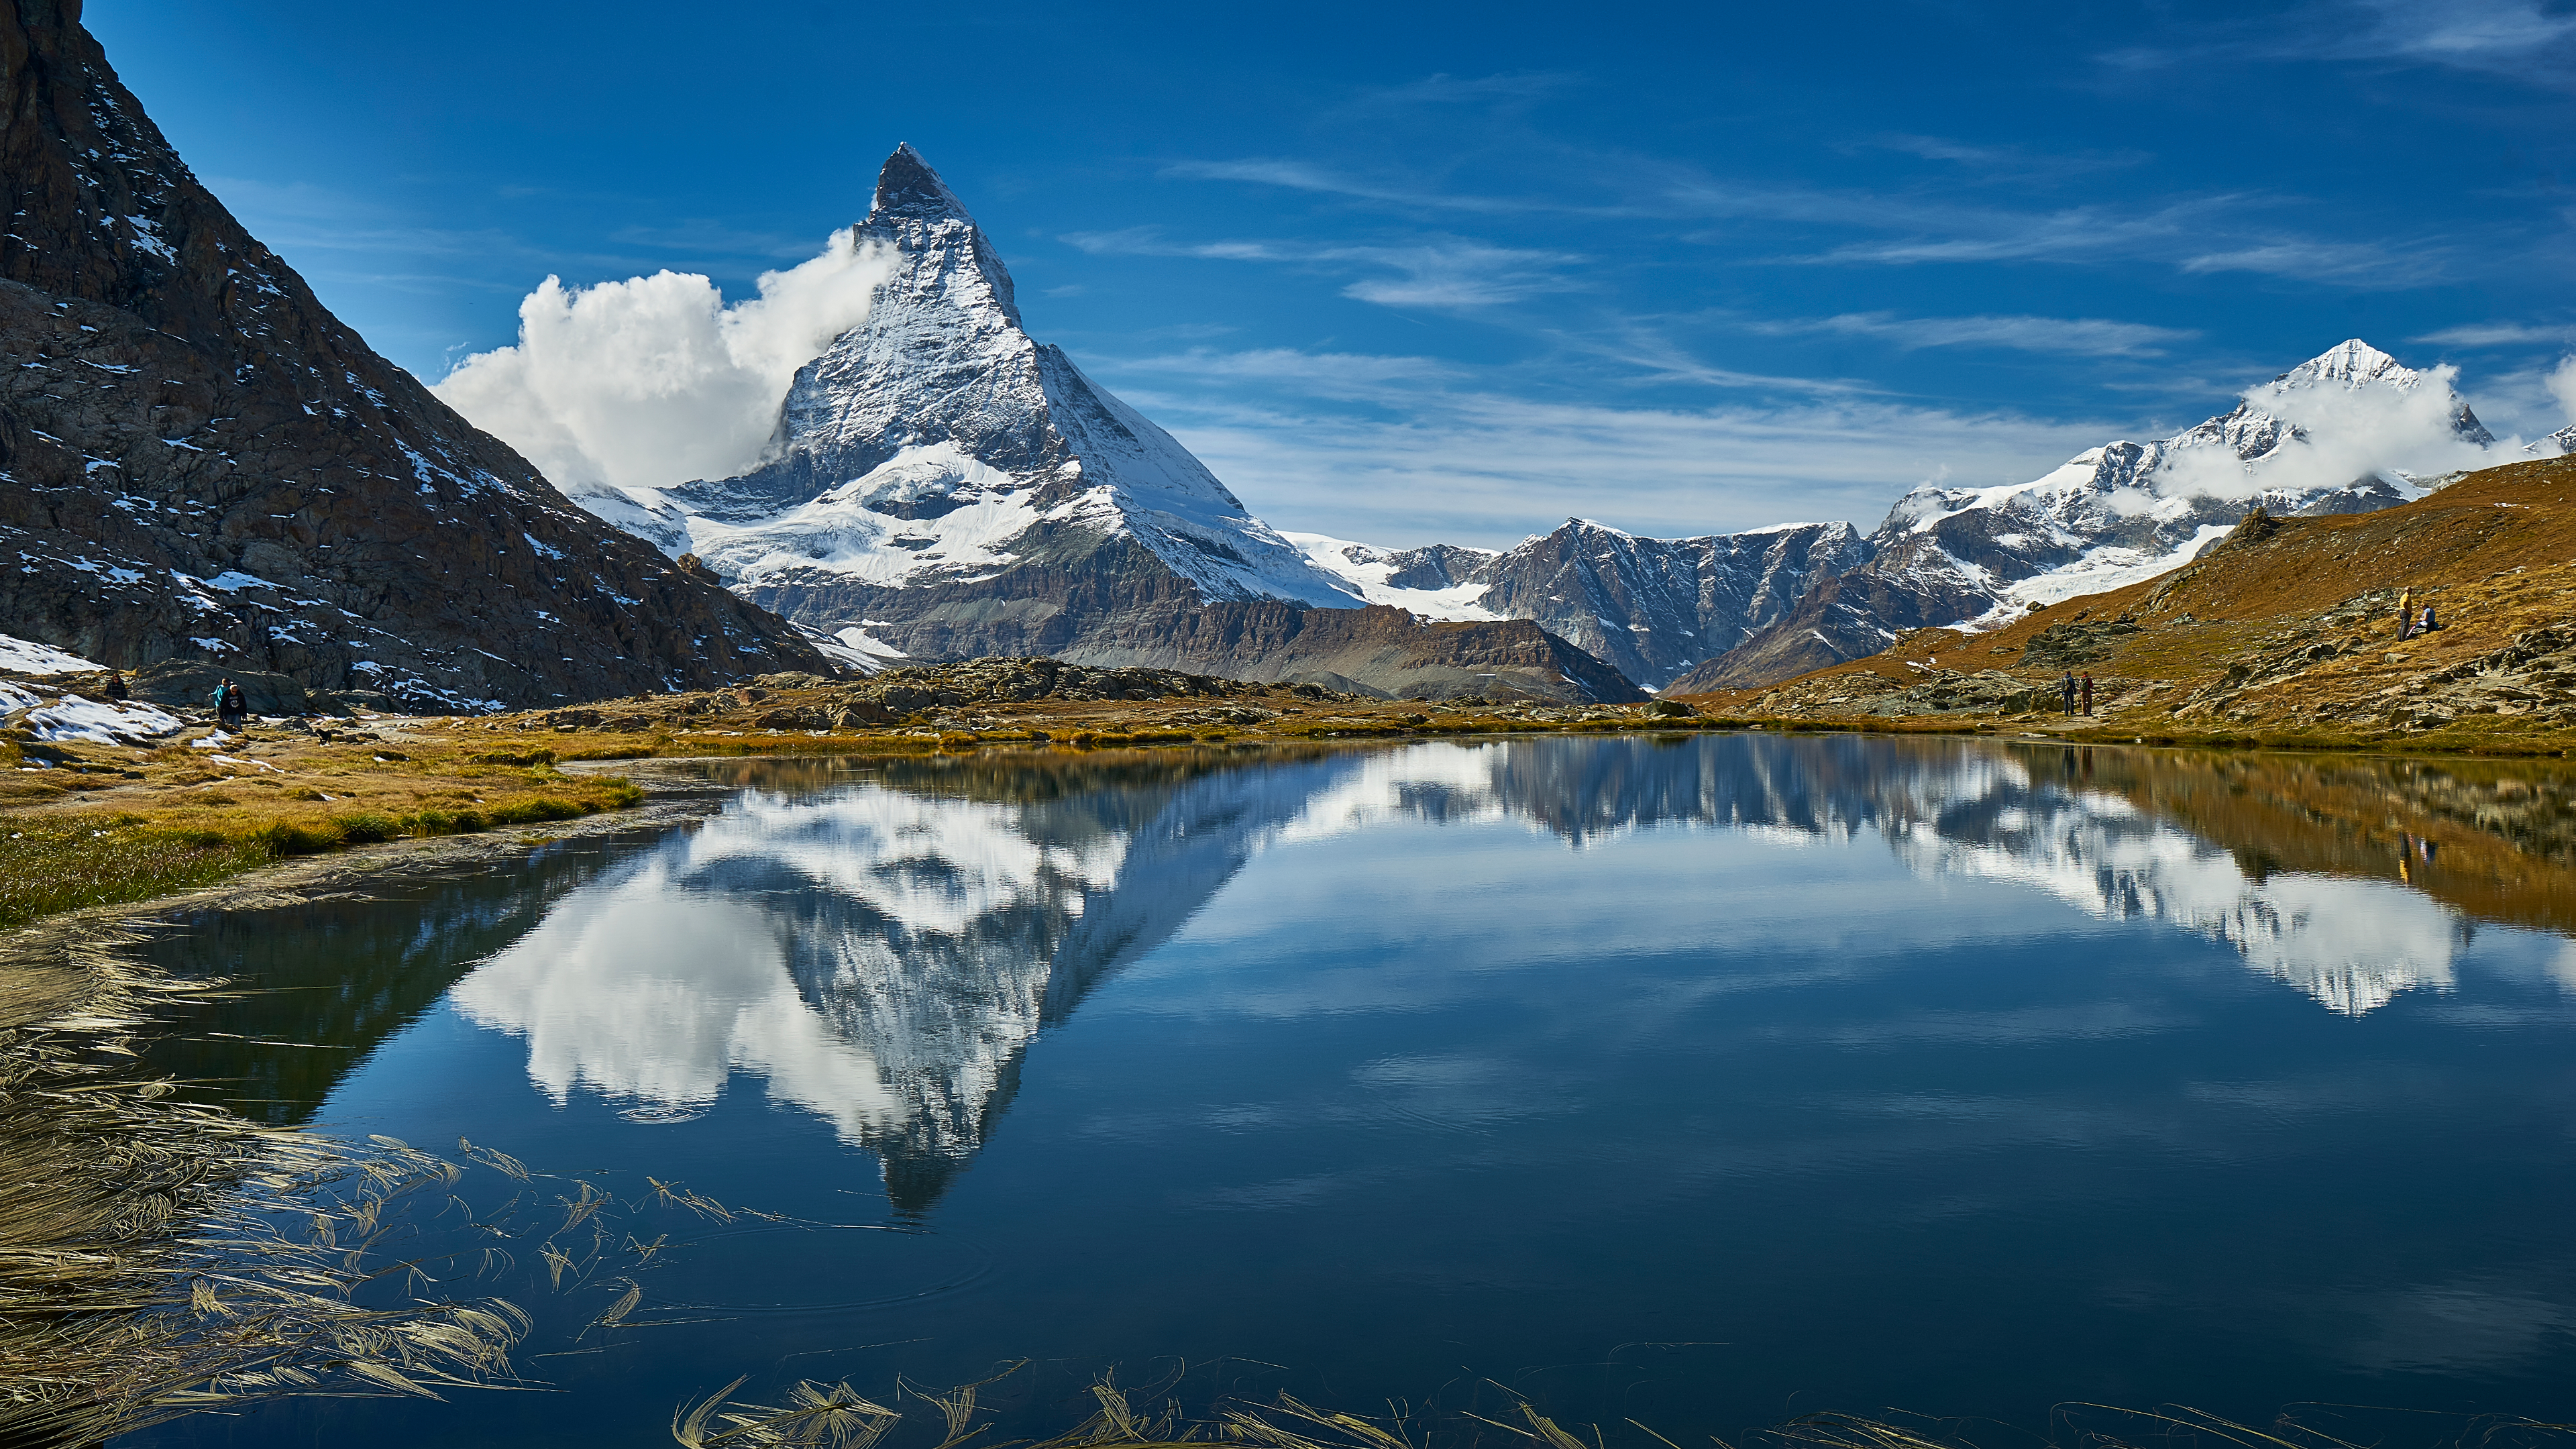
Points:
[[87, 825], [96, 825]]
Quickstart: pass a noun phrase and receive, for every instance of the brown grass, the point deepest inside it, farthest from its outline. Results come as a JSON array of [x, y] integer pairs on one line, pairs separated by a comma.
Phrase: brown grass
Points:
[[109, 825]]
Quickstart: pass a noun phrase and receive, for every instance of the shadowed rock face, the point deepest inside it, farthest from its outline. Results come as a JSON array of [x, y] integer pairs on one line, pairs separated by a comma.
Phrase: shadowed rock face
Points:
[[197, 460]]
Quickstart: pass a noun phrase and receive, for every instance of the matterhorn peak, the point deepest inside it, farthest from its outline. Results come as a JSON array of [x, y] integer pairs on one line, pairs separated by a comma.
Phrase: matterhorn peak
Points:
[[936, 445], [908, 188]]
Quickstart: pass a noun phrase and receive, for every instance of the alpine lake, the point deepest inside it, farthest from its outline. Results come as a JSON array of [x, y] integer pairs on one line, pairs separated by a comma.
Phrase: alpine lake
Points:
[[1687, 1084]]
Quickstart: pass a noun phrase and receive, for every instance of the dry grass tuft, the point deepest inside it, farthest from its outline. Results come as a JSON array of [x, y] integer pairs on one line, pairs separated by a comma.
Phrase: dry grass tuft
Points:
[[163, 1257]]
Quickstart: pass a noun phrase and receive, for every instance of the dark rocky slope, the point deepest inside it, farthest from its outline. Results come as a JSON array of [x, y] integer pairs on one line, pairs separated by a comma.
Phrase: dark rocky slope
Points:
[[198, 461]]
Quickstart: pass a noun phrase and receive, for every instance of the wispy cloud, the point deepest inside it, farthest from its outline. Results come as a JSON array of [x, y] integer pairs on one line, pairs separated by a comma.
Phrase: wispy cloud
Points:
[[1482, 465], [1434, 273], [2516, 38], [701, 237], [2356, 263], [2235, 231], [1450, 90], [1405, 194], [2072, 336], [2018, 163], [1339, 375], [2501, 334], [2198, 235]]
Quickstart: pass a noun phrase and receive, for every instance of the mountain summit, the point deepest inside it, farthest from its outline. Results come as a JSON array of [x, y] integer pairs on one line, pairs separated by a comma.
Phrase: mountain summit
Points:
[[940, 484], [935, 445], [207, 472]]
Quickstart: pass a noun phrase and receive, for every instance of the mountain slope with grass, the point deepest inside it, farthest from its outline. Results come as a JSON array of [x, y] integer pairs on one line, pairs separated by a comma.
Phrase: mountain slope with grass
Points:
[[2287, 628], [202, 465], [2351, 430]]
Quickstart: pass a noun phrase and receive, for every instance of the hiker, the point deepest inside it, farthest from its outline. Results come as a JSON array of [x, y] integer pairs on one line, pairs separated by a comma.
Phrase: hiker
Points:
[[2066, 692], [114, 689], [2088, 692], [2405, 616], [2429, 625], [230, 708]]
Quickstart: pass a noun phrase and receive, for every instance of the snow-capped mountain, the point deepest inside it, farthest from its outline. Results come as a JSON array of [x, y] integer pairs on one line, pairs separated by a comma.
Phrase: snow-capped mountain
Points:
[[2349, 431], [1651, 606], [936, 443], [2557, 445], [940, 484]]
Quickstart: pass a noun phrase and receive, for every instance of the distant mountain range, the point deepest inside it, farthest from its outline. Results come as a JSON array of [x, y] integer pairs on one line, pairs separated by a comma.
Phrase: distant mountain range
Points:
[[942, 485], [202, 470], [206, 471]]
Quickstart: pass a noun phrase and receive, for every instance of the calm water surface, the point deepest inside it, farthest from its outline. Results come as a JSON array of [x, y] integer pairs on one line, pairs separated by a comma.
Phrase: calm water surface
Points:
[[1702, 1082]]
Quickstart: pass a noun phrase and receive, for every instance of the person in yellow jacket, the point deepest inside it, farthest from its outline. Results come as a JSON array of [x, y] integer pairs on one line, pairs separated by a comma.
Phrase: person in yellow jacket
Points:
[[2405, 616]]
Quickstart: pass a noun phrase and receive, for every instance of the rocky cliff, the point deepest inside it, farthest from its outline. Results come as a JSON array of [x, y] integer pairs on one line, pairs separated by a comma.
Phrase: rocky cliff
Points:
[[1650, 607], [199, 462]]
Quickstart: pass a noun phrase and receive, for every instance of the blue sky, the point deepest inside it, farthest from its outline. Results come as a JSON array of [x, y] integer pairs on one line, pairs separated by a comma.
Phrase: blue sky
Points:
[[1449, 272]]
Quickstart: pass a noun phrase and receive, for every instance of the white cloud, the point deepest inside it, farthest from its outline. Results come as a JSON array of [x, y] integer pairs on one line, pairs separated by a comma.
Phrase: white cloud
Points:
[[2510, 37], [2079, 336], [655, 380], [2561, 383], [2319, 261], [2349, 432], [2498, 334]]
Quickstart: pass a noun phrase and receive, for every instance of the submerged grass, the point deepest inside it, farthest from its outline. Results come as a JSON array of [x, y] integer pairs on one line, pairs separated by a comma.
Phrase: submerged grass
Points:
[[161, 1257], [150, 1263], [817, 1414]]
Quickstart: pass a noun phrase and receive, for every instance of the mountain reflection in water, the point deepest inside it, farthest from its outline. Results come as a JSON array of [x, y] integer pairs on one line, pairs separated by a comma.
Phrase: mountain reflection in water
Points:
[[881, 943]]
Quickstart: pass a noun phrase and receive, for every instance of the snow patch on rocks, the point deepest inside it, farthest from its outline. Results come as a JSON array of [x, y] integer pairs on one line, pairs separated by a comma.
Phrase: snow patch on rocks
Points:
[[26, 656]]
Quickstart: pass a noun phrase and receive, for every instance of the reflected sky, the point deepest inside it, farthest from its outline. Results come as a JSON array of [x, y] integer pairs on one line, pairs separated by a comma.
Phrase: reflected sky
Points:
[[879, 955]]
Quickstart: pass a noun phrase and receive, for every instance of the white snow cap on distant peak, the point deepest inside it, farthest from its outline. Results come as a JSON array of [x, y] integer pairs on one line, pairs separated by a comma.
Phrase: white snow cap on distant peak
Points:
[[2349, 430]]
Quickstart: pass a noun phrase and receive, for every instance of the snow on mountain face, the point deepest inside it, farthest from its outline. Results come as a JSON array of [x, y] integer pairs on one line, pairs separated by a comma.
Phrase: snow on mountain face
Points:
[[2349, 431], [2557, 445], [936, 443], [1653, 607]]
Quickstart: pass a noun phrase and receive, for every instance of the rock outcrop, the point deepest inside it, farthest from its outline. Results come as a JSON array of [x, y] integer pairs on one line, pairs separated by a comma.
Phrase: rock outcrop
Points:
[[199, 462]]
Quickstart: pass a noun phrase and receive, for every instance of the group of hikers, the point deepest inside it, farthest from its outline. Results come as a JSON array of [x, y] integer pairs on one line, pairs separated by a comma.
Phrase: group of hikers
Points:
[[2076, 692], [2409, 623], [231, 708]]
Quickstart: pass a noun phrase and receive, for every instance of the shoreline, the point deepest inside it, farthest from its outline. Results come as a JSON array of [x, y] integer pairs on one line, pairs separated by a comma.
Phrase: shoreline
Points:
[[665, 795]]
